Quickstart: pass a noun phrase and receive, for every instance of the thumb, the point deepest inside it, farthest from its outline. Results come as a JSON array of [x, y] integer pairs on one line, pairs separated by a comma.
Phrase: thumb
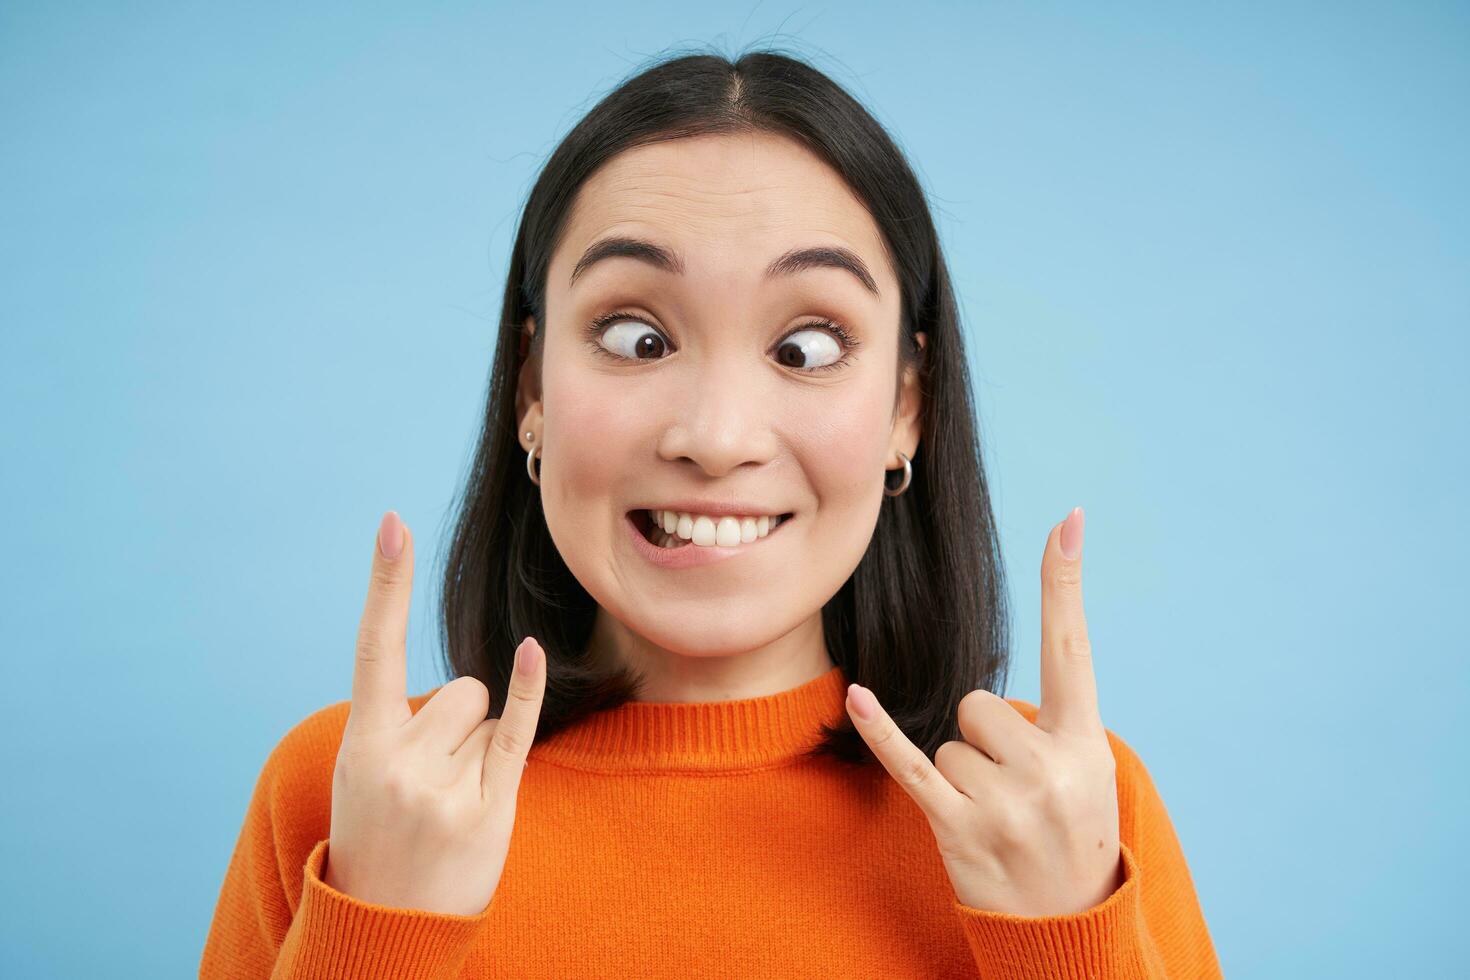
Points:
[[515, 732]]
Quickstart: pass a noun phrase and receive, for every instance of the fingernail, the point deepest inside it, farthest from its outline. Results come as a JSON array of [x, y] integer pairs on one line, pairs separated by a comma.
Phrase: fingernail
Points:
[[1072, 534], [863, 703], [390, 535], [526, 659]]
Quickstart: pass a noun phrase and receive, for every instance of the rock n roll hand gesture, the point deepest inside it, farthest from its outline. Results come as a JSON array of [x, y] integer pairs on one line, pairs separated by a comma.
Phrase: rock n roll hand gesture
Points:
[[1025, 815], [423, 803]]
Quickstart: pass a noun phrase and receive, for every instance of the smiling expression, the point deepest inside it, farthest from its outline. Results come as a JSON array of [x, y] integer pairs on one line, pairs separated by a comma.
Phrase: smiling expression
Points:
[[721, 338]]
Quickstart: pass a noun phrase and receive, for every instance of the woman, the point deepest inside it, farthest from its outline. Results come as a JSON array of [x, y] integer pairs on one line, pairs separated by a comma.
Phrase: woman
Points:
[[705, 645]]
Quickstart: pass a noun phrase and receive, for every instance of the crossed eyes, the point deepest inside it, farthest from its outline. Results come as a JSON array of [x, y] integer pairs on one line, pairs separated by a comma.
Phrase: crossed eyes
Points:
[[823, 333]]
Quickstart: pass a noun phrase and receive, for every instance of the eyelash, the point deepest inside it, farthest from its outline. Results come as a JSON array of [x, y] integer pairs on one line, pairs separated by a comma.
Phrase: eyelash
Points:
[[844, 337]]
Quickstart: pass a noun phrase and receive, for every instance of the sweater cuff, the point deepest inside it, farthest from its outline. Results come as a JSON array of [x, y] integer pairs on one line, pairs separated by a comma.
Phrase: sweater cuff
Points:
[[338, 936], [1105, 942]]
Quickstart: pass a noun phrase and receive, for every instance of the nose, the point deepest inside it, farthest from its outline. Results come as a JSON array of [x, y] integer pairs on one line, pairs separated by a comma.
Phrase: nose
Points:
[[722, 422]]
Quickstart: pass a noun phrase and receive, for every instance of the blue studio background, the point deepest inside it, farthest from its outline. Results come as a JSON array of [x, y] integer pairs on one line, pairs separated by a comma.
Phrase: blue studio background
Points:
[[1215, 272]]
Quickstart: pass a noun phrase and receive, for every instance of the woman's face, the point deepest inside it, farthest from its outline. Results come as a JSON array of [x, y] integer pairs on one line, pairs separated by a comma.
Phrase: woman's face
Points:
[[715, 388]]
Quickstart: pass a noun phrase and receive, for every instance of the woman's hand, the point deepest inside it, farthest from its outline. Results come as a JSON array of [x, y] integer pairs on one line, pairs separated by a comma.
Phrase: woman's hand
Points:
[[423, 804], [1026, 816]]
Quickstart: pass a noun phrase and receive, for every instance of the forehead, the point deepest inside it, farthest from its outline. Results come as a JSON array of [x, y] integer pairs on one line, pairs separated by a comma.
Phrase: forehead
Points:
[[737, 199]]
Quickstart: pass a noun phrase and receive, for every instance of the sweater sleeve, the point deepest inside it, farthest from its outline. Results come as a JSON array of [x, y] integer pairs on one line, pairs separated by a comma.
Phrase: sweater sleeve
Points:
[[1150, 928], [276, 918]]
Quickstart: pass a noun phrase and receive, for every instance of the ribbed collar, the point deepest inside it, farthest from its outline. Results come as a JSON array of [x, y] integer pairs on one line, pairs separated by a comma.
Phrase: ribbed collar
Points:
[[702, 736]]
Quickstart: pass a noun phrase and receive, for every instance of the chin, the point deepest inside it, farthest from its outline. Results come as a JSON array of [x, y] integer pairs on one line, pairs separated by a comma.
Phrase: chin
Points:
[[707, 636]]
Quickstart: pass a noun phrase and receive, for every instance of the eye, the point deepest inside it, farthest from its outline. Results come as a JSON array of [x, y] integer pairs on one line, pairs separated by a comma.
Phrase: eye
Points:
[[819, 346], [619, 335], [810, 349]]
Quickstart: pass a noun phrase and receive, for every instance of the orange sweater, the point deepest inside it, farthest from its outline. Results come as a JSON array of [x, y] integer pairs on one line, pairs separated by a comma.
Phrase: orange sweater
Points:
[[691, 840]]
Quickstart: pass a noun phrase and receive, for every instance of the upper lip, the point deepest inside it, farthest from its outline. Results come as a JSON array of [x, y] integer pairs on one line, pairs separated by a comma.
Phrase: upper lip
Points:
[[715, 508]]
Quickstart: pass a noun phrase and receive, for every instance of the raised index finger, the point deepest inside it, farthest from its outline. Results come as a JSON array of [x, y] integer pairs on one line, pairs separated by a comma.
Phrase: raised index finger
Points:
[[379, 679], [1068, 687]]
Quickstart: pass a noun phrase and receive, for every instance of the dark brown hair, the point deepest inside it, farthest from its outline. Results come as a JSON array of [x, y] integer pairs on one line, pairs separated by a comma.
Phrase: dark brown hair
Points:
[[922, 620]]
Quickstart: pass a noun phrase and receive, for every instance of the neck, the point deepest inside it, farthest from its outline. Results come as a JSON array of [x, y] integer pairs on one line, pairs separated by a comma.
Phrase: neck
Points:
[[713, 674]]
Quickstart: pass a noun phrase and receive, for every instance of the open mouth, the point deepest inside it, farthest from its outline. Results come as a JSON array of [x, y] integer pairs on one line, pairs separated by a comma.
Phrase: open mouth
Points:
[[655, 534]]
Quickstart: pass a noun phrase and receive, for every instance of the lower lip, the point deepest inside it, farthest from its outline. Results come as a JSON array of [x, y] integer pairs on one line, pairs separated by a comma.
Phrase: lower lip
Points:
[[691, 555]]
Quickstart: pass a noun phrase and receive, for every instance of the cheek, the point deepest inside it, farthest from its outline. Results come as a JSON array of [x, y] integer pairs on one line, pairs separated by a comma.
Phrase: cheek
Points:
[[842, 449], [591, 436]]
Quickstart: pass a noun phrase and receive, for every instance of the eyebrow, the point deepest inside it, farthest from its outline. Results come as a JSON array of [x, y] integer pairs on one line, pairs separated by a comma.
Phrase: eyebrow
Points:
[[794, 261]]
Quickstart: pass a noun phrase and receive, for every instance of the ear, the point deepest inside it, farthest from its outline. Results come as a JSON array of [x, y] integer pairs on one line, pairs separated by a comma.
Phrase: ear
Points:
[[907, 414], [528, 383]]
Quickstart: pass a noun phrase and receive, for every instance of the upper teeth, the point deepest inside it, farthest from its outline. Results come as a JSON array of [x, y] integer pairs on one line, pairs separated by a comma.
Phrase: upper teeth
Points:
[[703, 529]]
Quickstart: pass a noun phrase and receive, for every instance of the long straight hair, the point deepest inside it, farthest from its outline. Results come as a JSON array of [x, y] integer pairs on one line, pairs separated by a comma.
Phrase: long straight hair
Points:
[[922, 620]]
